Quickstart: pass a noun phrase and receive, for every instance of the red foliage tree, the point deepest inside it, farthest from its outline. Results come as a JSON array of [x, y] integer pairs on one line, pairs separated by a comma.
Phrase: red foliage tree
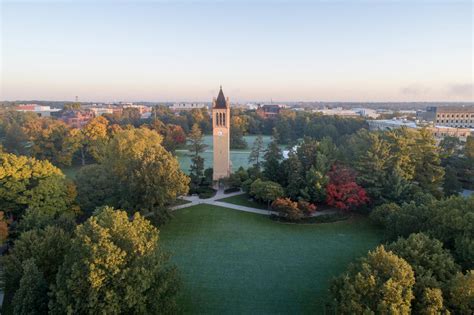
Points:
[[342, 190]]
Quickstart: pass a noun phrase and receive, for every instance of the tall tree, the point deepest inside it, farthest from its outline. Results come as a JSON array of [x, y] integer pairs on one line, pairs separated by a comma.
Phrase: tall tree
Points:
[[380, 283], [3, 228], [238, 127], [46, 247], [93, 139], [257, 150], [372, 165], [293, 171], [433, 266], [428, 170], [196, 147], [50, 140], [271, 166], [28, 183], [32, 294], [147, 176], [115, 266]]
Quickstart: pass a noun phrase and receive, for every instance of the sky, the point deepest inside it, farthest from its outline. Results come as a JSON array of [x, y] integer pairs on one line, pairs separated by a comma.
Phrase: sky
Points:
[[261, 50]]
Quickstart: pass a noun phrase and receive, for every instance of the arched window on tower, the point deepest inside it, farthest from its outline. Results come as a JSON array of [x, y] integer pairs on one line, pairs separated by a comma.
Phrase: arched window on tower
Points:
[[223, 120], [217, 119]]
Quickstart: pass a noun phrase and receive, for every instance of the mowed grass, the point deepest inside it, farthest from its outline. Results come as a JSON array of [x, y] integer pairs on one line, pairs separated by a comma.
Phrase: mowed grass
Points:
[[244, 200], [237, 262]]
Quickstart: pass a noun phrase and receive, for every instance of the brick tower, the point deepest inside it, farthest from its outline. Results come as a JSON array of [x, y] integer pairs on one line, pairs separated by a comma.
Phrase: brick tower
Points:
[[220, 135]]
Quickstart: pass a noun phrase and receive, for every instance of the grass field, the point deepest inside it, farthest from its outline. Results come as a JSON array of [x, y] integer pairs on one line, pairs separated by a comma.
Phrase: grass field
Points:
[[237, 262], [244, 200]]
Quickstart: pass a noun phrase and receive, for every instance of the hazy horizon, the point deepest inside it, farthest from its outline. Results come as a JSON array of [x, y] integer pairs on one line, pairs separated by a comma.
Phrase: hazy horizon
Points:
[[159, 51]]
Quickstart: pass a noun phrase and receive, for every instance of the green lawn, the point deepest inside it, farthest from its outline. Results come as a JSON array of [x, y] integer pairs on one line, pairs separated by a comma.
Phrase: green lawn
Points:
[[237, 262], [244, 200]]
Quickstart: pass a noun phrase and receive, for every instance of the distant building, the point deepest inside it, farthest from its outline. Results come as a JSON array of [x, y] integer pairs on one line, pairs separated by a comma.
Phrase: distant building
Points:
[[40, 110], [449, 116], [76, 118], [177, 107], [366, 112], [99, 111], [269, 110], [141, 108], [439, 132], [338, 111]]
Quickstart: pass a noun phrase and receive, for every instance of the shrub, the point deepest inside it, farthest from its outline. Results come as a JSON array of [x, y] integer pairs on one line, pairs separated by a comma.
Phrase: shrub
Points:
[[306, 207], [265, 191], [246, 185], [206, 192], [287, 209]]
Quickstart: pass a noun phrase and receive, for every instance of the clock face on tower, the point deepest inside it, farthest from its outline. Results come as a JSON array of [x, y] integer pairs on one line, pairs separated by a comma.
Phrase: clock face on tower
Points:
[[219, 133]]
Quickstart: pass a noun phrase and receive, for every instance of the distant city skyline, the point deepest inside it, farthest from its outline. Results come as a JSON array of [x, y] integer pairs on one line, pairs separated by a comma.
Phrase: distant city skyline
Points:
[[359, 51]]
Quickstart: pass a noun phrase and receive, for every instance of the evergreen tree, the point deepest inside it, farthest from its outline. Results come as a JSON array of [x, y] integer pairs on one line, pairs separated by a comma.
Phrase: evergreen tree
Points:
[[257, 149], [293, 172], [196, 147], [271, 166], [372, 166], [451, 184], [31, 298], [428, 170]]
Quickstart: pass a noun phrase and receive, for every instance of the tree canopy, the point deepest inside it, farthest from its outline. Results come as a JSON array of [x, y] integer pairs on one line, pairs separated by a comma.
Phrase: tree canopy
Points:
[[115, 266]]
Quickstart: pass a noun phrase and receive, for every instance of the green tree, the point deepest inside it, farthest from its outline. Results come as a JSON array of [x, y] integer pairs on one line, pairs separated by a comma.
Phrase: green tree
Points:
[[51, 140], [93, 138], [428, 170], [257, 150], [31, 298], [451, 183], [461, 293], [433, 265], [380, 283], [238, 127], [431, 302], [293, 170], [147, 176], [196, 147], [13, 136], [96, 187], [271, 166], [46, 247], [265, 191], [29, 183], [372, 165], [115, 266], [3, 228]]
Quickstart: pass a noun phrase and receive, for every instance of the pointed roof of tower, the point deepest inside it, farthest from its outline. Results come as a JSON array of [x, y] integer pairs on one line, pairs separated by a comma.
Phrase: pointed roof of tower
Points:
[[220, 101]]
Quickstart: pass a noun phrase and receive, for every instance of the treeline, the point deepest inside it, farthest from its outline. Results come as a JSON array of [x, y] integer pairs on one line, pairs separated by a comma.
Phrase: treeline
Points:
[[364, 169], [48, 138], [69, 249], [426, 267]]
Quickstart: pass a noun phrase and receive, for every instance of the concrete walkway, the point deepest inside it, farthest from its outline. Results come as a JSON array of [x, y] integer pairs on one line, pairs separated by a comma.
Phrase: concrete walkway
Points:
[[194, 200]]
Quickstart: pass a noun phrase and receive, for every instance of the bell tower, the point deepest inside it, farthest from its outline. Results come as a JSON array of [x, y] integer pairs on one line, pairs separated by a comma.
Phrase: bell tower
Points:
[[220, 135]]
